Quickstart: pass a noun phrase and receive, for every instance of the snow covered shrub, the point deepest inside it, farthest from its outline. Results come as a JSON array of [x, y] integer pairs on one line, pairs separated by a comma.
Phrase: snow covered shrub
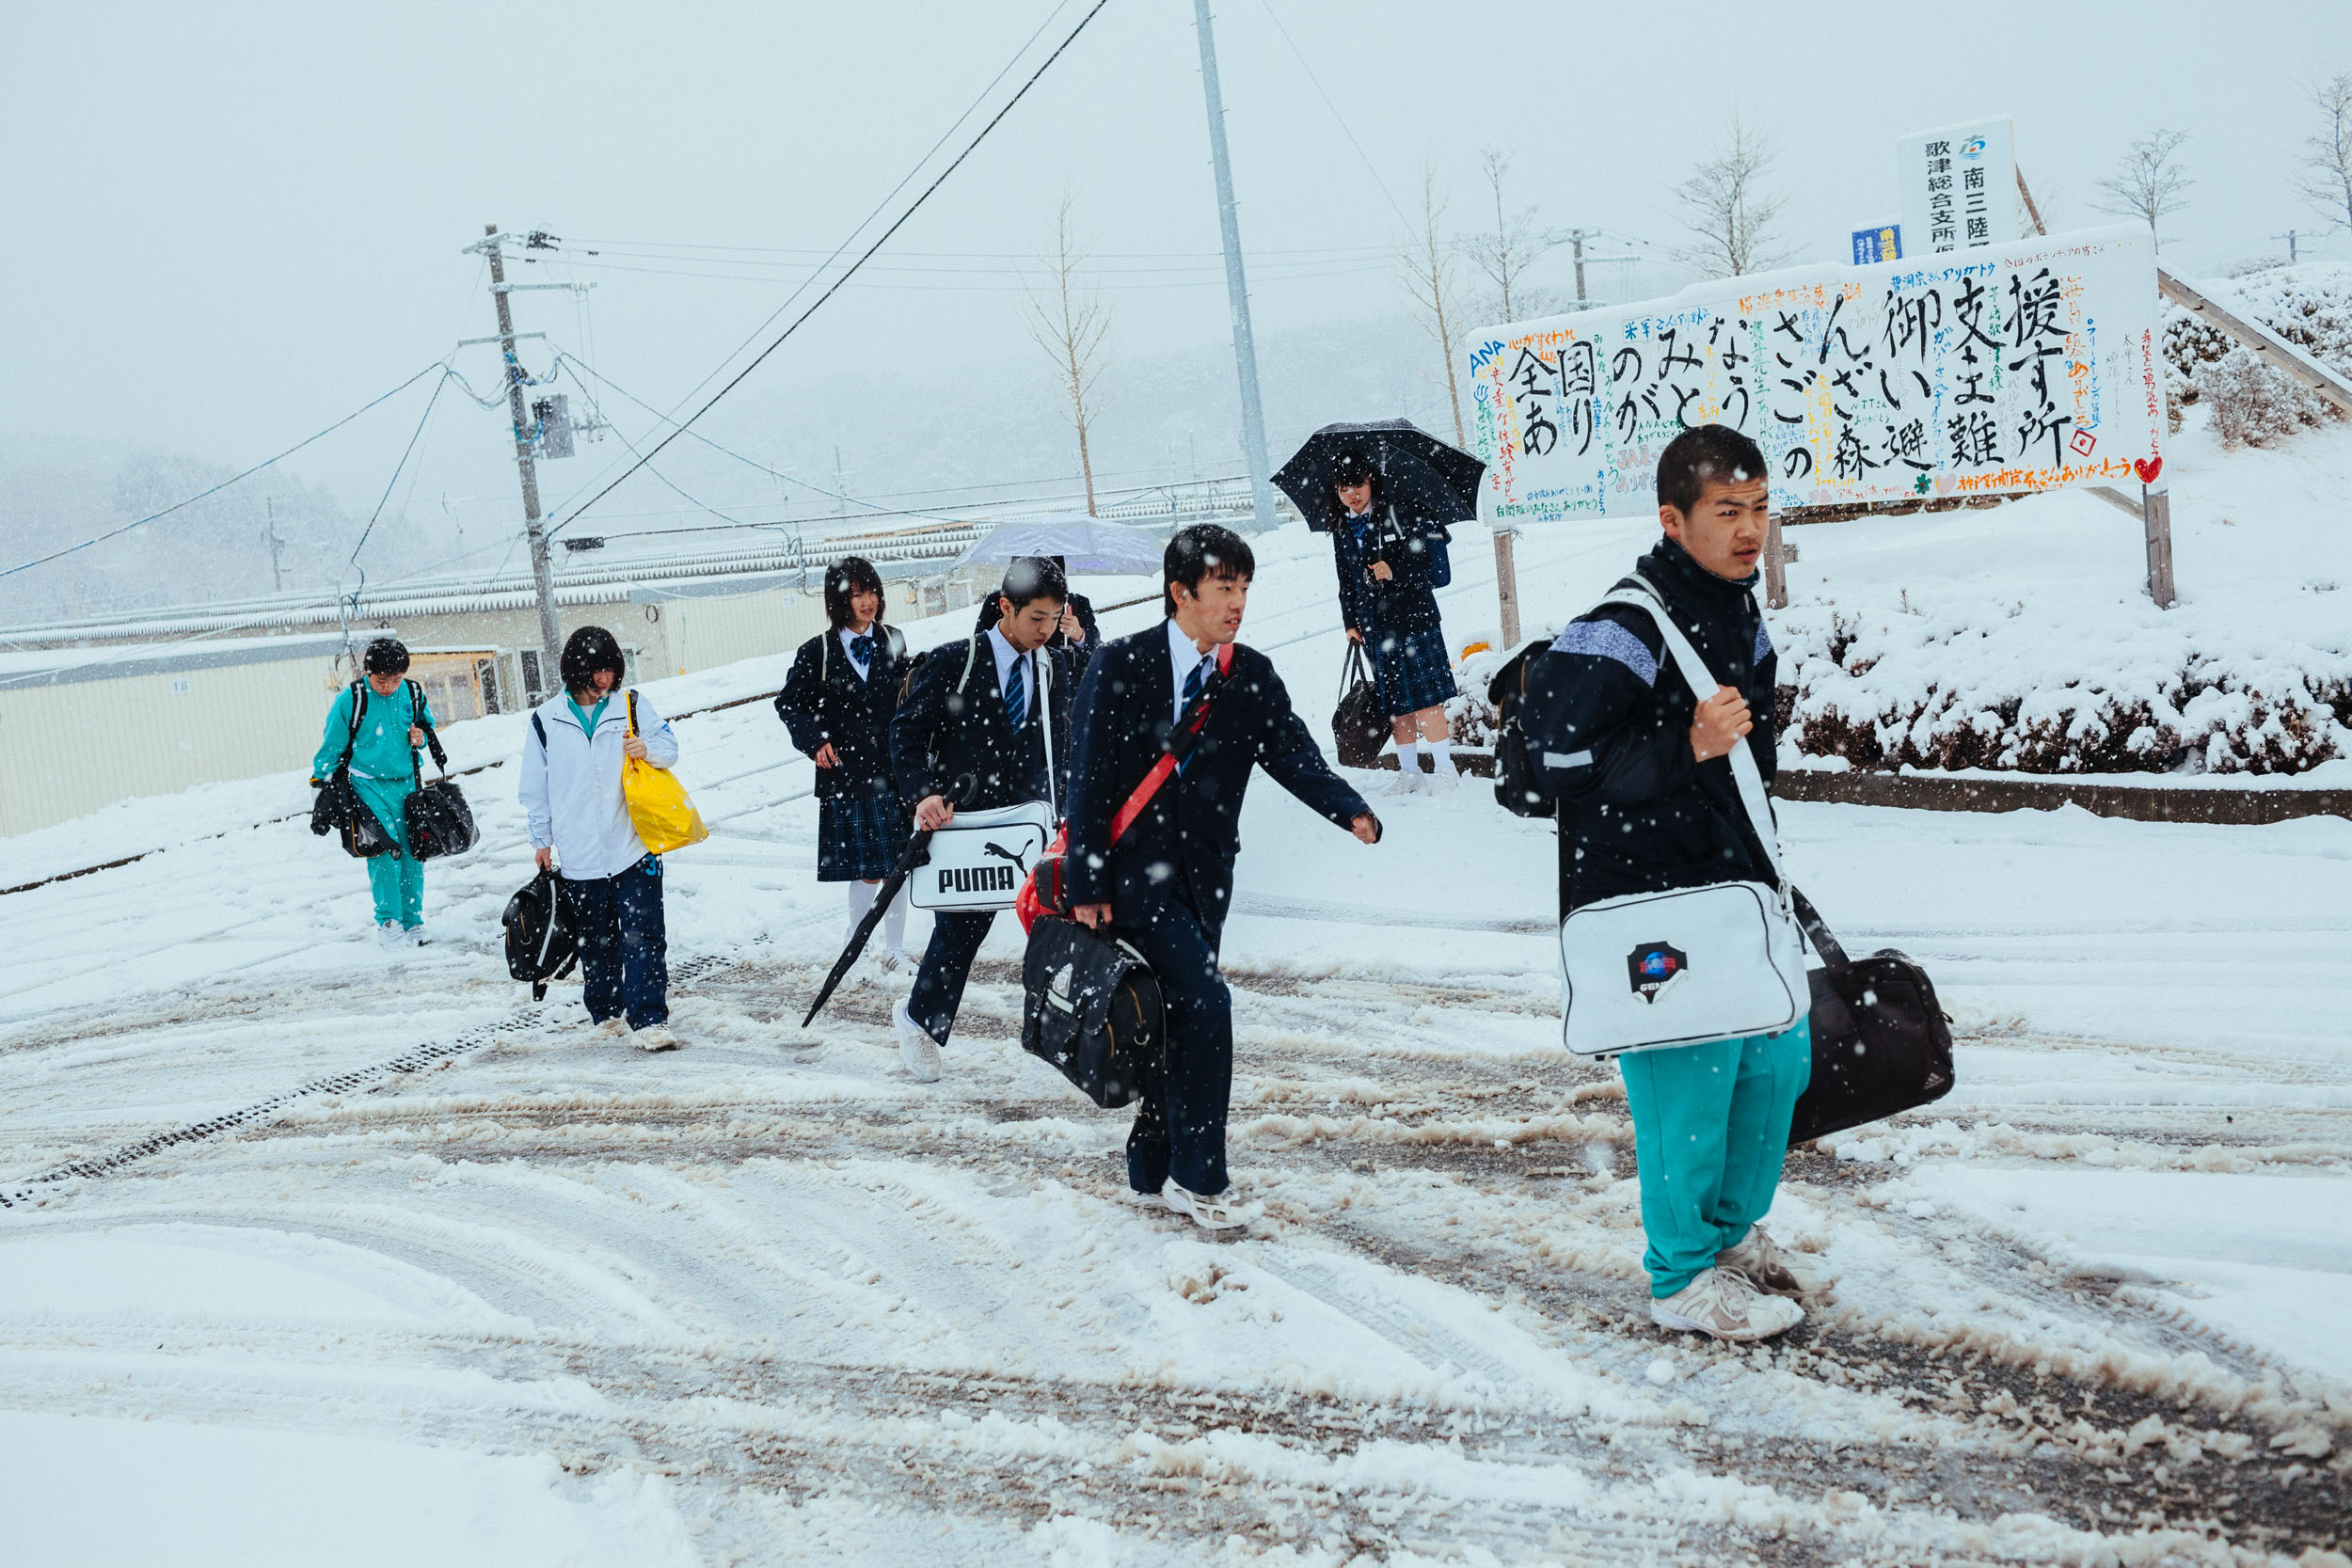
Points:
[[2056, 688], [2252, 404], [2309, 304]]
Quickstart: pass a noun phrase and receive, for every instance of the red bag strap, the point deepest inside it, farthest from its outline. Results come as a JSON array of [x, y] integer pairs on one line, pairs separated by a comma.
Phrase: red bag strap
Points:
[[1167, 765]]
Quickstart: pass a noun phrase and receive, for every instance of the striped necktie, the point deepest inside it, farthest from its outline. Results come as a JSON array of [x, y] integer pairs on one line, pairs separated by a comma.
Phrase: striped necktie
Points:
[[1016, 696], [1194, 683]]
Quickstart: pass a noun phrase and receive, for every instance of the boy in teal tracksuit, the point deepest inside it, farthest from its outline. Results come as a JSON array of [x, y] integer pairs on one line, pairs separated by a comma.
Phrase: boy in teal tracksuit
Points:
[[392, 724]]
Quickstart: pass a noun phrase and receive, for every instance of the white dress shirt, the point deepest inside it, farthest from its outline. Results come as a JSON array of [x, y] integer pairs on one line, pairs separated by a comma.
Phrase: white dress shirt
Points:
[[1006, 655], [848, 636], [1183, 658]]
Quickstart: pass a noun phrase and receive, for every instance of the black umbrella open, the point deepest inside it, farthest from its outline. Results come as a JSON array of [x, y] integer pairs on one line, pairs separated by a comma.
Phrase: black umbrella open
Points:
[[1440, 482]]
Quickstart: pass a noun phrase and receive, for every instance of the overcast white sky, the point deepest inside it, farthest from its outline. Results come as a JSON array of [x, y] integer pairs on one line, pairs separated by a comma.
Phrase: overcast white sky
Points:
[[232, 223]]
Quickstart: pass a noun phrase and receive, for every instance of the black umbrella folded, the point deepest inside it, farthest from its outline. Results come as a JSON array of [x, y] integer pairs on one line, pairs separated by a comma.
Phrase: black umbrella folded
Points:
[[1425, 476]]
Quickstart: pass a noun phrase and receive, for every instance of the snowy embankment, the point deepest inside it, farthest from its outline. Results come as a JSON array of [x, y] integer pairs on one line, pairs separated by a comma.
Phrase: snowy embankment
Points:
[[767, 1299]]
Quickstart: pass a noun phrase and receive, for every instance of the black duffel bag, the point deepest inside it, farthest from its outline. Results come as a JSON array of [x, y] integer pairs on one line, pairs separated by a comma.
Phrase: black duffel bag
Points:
[[1880, 1041], [1093, 1010], [540, 945], [1358, 728], [337, 807], [436, 819]]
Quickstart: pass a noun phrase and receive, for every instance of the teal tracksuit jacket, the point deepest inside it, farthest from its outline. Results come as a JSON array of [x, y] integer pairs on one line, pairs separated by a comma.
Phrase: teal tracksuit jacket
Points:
[[383, 773]]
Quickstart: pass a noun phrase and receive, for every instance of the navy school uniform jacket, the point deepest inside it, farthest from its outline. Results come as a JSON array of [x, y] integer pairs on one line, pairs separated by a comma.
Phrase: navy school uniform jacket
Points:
[[825, 702], [1408, 601], [950, 724], [1191, 832], [1610, 718]]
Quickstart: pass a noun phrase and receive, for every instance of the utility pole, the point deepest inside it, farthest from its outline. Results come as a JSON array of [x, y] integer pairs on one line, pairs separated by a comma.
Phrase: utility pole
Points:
[[269, 537], [1237, 287], [550, 651], [2289, 237]]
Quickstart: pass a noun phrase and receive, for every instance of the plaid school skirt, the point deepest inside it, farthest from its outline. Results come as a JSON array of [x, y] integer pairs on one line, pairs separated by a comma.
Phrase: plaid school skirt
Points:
[[859, 839], [1410, 670]]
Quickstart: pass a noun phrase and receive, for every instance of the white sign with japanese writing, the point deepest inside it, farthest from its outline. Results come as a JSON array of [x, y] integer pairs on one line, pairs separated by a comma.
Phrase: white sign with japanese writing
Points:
[[1958, 186], [2020, 367]]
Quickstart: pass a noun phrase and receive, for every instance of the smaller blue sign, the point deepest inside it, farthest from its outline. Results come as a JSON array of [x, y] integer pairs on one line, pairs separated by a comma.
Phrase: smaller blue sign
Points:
[[1883, 243]]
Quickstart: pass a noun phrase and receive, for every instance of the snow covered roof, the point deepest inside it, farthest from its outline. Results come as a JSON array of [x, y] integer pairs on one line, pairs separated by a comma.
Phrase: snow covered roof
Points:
[[22, 668]]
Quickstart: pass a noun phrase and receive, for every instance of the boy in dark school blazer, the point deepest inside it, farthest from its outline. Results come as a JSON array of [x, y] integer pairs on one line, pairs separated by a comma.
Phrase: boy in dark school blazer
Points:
[[974, 710], [1168, 882]]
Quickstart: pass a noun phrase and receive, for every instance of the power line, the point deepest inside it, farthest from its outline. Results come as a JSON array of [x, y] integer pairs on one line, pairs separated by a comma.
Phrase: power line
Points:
[[835, 288], [216, 489], [1337, 116]]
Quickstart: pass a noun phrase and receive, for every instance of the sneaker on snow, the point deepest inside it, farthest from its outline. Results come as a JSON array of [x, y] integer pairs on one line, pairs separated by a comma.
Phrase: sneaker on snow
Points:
[[1722, 1302], [1210, 1214], [612, 1028], [1769, 1269], [414, 935], [654, 1036], [1404, 784], [390, 935], [1443, 784], [916, 1049], [895, 960]]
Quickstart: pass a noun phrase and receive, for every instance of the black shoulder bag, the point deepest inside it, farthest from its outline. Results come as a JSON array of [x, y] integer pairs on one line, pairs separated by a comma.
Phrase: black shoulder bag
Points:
[[1880, 1041], [337, 809], [1358, 728], [436, 817]]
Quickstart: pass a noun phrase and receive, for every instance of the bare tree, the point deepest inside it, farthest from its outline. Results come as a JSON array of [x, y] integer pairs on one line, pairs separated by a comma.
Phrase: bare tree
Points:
[[1505, 254], [1427, 260], [2326, 161], [1726, 203], [2147, 185], [1069, 320]]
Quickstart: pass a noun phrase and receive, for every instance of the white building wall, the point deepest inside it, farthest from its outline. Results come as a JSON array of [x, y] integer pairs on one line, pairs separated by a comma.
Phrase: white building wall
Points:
[[71, 748]]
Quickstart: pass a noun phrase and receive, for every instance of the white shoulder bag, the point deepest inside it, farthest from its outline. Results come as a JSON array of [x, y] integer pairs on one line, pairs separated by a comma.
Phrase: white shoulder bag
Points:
[[1694, 964], [978, 861]]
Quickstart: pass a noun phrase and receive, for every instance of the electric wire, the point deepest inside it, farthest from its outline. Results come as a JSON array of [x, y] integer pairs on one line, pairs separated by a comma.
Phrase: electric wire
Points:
[[1335, 115], [216, 489], [835, 287]]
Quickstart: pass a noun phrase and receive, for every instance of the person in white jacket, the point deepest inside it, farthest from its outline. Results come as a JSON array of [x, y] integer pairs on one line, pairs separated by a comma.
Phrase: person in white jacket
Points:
[[579, 824]]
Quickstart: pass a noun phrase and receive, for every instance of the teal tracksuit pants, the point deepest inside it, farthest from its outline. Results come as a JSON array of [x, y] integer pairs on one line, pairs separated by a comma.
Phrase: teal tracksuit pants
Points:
[[396, 880], [1711, 1129]]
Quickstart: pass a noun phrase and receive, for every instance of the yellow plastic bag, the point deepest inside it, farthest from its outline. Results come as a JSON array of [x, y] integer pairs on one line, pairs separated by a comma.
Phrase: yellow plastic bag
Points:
[[658, 808]]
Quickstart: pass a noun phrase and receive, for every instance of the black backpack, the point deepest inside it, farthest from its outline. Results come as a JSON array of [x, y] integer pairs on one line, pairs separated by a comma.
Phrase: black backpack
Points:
[[1094, 1009], [540, 945], [1522, 785]]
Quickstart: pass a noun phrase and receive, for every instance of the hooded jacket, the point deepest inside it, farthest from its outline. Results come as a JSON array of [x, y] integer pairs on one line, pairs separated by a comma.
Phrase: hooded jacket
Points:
[[1611, 716], [570, 788]]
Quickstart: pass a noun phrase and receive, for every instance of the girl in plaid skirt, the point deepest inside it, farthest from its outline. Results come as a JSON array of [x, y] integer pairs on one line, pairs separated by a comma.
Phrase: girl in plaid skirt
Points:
[[837, 703], [1390, 607]]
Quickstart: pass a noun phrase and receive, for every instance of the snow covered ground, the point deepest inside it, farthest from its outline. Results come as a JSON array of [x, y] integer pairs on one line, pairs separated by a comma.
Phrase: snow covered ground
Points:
[[551, 1301]]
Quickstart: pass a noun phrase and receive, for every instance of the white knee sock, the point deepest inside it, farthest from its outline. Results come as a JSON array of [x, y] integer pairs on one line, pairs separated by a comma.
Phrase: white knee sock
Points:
[[1441, 756], [1409, 757], [861, 899], [895, 923]]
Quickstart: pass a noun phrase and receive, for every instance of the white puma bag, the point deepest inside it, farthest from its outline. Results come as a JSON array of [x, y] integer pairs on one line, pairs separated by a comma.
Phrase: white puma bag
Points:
[[1695, 964], [979, 860]]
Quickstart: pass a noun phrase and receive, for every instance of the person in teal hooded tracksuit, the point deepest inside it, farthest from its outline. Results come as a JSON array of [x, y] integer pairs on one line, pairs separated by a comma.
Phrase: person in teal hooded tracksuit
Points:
[[392, 724]]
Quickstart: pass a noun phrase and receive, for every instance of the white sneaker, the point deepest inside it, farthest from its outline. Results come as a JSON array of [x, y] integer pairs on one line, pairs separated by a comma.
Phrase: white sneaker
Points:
[[1722, 1302], [916, 1049], [895, 960], [612, 1028], [416, 936], [654, 1036], [1444, 783], [1404, 784], [1210, 1214], [390, 935], [1772, 1271]]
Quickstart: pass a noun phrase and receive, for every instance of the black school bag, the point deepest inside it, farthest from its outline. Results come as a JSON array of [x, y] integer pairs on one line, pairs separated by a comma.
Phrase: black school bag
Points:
[[1522, 783], [337, 809], [435, 816], [1358, 728], [1094, 1009], [1880, 1041], [540, 945]]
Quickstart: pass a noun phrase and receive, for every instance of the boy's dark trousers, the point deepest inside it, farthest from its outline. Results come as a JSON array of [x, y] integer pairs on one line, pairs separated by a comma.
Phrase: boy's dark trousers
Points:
[[938, 991], [624, 952], [1179, 1126]]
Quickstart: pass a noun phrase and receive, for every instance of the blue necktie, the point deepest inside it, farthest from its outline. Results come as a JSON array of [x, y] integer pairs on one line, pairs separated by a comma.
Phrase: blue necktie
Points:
[[1193, 684], [1016, 697], [862, 649]]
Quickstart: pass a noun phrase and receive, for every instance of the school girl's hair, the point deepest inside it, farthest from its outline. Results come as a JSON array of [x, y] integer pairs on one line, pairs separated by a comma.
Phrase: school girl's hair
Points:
[[1702, 456], [1203, 550], [851, 574], [587, 651]]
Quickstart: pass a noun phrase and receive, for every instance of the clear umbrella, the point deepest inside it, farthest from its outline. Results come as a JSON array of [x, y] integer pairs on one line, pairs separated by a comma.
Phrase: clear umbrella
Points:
[[1086, 544]]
